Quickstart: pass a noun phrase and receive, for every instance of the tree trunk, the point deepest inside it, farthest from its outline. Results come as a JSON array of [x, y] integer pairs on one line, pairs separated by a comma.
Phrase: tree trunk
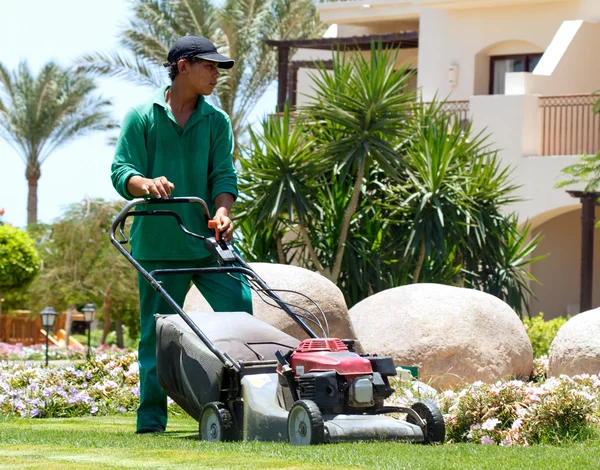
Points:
[[420, 261], [32, 174], [280, 253], [311, 250], [334, 272], [68, 325], [119, 330], [106, 314]]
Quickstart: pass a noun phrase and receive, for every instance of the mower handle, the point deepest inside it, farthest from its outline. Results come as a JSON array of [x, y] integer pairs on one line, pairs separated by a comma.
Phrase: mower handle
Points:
[[156, 285]]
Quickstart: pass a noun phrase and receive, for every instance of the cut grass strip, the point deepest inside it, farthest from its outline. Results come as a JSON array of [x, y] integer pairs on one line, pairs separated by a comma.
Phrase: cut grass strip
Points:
[[110, 443]]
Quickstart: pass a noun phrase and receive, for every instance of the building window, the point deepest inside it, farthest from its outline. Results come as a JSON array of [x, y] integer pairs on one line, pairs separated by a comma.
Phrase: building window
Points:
[[502, 64]]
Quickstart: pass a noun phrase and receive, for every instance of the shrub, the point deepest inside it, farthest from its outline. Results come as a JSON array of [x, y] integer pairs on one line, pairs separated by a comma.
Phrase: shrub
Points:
[[541, 332], [559, 410], [19, 259]]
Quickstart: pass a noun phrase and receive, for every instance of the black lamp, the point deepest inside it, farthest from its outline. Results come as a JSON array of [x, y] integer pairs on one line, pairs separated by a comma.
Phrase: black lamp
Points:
[[89, 313], [48, 317]]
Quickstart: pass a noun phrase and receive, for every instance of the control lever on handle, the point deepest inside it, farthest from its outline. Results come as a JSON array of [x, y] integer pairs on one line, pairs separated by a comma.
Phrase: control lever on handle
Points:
[[212, 224]]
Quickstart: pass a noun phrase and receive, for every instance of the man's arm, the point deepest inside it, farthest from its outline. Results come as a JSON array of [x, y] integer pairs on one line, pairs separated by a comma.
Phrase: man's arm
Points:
[[131, 161]]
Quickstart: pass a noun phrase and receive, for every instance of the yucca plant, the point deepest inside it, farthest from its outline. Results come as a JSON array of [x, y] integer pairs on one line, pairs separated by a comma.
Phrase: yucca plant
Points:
[[237, 27], [278, 169], [40, 113], [359, 110], [455, 192]]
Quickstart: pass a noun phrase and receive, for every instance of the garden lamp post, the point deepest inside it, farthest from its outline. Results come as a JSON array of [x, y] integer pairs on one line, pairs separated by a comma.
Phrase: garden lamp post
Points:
[[89, 313], [48, 317]]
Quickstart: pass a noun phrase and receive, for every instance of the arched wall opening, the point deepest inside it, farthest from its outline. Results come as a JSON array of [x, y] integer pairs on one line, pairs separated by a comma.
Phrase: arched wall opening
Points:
[[503, 48], [558, 273]]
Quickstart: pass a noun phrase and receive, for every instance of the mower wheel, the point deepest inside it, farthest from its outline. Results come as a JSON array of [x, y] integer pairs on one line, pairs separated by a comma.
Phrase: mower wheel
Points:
[[216, 423], [435, 431], [305, 424]]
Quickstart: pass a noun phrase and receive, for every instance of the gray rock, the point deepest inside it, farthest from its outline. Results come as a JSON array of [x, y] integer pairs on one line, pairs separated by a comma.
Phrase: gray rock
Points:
[[455, 335], [576, 347], [279, 276]]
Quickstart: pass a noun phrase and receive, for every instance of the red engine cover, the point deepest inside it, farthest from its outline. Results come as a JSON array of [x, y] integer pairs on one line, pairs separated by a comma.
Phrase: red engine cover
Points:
[[328, 354]]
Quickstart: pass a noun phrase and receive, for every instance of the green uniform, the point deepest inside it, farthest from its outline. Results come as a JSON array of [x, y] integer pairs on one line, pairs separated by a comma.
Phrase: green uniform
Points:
[[197, 159]]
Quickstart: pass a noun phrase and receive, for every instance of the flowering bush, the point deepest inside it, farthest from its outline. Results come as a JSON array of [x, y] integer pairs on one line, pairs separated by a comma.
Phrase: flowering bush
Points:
[[106, 384], [18, 352], [509, 413]]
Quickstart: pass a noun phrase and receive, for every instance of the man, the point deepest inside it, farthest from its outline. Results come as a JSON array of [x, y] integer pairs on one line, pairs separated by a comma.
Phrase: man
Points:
[[177, 144]]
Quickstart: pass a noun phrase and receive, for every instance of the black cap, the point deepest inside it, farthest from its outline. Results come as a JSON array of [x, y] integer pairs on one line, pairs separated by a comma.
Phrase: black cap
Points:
[[199, 48]]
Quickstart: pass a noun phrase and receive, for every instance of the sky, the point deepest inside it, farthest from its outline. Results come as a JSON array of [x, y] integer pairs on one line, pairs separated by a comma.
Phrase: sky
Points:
[[39, 31]]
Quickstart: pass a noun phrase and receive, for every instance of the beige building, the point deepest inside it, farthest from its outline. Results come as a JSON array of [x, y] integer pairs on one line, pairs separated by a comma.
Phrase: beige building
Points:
[[524, 70]]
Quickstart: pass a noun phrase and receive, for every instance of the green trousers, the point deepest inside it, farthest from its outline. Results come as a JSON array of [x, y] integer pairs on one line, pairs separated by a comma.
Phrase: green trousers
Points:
[[223, 292]]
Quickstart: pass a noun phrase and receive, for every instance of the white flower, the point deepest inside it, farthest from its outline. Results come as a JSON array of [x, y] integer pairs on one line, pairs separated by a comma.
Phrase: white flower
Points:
[[490, 424], [521, 412], [487, 441], [517, 424]]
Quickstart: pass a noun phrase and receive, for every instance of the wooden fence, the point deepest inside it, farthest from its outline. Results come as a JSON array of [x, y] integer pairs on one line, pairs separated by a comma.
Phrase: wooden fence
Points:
[[21, 327]]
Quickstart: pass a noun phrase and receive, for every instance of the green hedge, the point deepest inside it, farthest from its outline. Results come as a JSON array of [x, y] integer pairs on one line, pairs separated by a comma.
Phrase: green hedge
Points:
[[541, 332]]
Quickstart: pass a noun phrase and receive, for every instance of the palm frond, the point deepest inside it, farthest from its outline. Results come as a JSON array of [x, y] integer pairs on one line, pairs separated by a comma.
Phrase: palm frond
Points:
[[114, 64]]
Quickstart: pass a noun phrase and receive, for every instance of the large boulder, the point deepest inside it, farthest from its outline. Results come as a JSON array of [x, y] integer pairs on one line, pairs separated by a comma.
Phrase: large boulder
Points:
[[576, 347], [292, 278], [455, 335]]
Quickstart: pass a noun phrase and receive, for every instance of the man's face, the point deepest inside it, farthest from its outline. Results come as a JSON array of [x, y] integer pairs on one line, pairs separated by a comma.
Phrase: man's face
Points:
[[202, 75]]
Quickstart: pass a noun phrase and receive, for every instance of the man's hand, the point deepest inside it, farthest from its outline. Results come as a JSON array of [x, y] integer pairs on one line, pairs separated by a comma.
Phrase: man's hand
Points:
[[223, 202], [159, 186], [224, 225]]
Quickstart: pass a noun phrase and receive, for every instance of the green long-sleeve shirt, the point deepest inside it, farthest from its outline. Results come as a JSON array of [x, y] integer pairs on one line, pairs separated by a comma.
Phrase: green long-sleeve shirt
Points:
[[197, 159]]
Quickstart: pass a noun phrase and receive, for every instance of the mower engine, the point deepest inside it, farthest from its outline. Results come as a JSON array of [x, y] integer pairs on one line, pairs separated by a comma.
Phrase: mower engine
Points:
[[330, 373]]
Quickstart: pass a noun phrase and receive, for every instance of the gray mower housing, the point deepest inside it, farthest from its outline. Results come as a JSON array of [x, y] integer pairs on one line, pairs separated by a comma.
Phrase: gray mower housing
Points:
[[192, 376]]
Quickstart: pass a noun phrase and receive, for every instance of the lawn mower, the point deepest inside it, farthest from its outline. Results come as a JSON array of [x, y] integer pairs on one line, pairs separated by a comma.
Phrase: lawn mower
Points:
[[243, 379]]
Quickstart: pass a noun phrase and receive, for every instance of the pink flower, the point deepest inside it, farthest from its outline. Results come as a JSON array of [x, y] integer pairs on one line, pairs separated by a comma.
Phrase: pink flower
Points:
[[517, 424], [487, 441], [490, 424], [2, 211]]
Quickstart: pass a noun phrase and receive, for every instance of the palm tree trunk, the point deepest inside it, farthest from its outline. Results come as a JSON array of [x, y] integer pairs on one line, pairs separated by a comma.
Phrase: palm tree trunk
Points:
[[106, 314], [334, 272], [280, 253], [420, 261], [32, 174]]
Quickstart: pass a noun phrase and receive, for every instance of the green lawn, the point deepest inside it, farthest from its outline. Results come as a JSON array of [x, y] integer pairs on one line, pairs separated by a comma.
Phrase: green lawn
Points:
[[110, 443]]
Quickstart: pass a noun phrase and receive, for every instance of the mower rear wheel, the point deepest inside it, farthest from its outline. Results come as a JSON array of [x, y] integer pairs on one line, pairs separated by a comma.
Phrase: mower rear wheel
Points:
[[305, 424], [435, 431], [216, 423]]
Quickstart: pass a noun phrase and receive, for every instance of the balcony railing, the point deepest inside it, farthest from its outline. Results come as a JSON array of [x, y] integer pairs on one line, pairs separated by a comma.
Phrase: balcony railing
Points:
[[569, 125], [458, 109]]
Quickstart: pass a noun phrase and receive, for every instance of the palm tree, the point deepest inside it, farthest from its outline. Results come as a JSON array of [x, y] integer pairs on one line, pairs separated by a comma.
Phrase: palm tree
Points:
[[39, 114], [237, 28]]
